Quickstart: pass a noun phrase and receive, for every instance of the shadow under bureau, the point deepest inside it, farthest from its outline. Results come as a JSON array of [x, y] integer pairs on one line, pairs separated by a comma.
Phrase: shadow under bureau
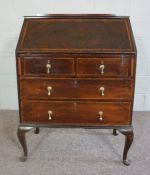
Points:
[[76, 71]]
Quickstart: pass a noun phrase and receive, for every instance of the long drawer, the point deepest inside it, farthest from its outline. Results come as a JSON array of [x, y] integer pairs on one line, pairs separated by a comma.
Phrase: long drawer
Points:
[[76, 89], [76, 113]]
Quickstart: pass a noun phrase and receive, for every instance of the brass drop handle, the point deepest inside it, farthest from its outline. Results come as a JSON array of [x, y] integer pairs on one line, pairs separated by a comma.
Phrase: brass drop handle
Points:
[[49, 89], [50, 115], [102, 67], [48, 67], [102, 90], [100, 115]]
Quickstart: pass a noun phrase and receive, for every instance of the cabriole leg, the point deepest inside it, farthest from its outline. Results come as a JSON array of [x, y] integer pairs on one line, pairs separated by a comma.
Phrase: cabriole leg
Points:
[[128, 141], [21, 133]]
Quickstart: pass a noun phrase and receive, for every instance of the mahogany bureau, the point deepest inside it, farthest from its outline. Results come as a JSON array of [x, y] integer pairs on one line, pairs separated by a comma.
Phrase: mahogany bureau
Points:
[[76, 71]]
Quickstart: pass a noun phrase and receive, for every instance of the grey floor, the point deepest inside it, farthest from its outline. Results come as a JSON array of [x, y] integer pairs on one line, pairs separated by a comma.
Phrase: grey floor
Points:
[[74, 151]]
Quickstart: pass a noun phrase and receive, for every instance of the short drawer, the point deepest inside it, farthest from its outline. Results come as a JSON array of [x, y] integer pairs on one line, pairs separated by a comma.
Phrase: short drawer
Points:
[[48, 66], [112, 89], [76, 113], [76, 89], [104, 67], [47, 89]]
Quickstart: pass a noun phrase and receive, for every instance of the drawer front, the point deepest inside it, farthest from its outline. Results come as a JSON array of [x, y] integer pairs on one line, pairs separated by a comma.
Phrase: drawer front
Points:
[[48, 66], [103, 67], [104, 89], [75, 89], [76, 113], [47, 89]]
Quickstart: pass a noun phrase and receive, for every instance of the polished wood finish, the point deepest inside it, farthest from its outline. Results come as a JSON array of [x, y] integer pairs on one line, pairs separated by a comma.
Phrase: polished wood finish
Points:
[[128, 142], [76, 89], [114, 67], [21, 136], [76, 113], [76, 71], [81, 34], [37, 66]]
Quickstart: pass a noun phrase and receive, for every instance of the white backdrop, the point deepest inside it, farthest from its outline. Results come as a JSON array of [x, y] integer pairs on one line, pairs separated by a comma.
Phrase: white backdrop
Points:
[[11, 18]]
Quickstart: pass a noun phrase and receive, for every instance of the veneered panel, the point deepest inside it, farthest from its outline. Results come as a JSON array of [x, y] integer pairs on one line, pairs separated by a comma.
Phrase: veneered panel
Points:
[[76, 35]]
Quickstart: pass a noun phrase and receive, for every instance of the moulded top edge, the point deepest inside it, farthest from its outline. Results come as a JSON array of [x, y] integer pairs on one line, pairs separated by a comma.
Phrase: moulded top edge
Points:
[[75, 16]]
